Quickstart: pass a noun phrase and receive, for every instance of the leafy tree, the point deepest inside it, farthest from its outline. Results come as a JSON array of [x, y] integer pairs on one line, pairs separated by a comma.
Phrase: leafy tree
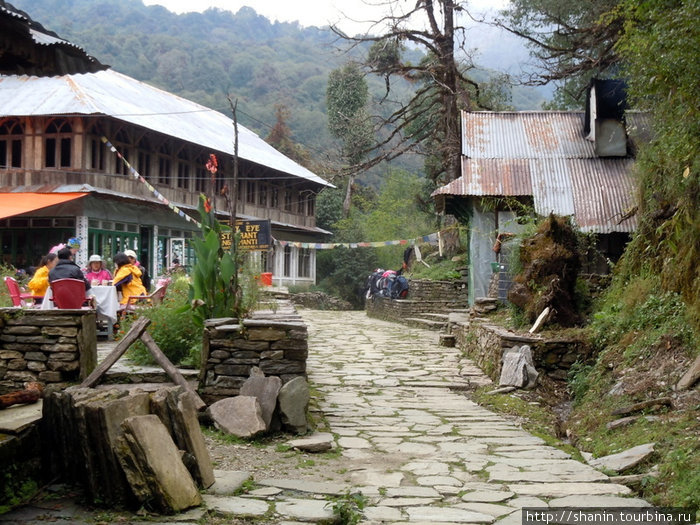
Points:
[[663, 66], [572, 41], [348, 120], [281, 138]]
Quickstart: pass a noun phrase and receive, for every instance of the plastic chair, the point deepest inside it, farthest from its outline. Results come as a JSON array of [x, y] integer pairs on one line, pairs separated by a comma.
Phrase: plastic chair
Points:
[[19, 298], [69, 293]]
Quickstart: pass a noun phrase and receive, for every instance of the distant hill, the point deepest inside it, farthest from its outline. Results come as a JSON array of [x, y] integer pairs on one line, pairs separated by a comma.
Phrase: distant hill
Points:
[[205, 56]]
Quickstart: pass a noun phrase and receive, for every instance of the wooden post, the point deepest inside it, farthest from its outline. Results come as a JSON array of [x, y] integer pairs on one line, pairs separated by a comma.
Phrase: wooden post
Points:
[[169, 368], [132, 335]]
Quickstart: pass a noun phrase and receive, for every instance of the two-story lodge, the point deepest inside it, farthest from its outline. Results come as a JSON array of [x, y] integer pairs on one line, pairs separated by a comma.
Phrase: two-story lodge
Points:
[[59, 179]]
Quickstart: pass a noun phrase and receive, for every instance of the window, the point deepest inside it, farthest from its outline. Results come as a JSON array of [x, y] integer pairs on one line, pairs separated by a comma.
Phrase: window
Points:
[[97, 154], [164, 165], [11, 134], [301, 203], [287, 270], [262, 195], [183, 171], [144, 158], [304, 262], [275, 198], [288, 200], [250, 192], [122, 142], [311, 205], [57, 145]]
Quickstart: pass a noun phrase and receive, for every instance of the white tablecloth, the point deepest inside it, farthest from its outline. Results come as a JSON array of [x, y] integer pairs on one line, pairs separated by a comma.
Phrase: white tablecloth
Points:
[[105, 297]]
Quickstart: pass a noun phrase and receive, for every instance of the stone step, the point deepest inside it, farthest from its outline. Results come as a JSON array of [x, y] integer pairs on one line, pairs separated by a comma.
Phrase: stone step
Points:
[[427, 324], [448, 340], [436, 316]]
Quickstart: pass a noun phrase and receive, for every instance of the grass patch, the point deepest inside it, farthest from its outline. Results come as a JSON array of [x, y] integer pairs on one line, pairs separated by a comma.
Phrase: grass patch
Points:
[[445, 270]]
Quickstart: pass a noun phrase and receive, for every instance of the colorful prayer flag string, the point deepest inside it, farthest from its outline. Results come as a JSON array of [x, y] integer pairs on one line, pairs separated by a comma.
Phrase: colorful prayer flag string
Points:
[[150, 187]]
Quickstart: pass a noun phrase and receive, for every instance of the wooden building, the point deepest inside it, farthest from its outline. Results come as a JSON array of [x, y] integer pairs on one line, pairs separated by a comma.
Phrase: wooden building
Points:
[[60, 179]]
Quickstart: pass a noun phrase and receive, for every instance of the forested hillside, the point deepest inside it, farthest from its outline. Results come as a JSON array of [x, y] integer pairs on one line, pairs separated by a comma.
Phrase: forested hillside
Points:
[[205, 56]]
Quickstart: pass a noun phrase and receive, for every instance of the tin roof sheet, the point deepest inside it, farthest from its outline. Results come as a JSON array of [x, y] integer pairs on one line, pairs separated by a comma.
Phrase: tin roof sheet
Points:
[[525, 135], [122, 97], [596, 192]]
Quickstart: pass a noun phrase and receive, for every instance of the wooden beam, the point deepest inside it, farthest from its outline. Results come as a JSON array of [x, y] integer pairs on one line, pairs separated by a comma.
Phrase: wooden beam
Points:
[[138, 328], [170, 369]]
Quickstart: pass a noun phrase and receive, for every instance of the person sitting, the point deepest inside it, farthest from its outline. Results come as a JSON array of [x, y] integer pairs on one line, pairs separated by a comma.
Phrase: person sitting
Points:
[[96, 272], [39, 282], [66, 269], [127, 278], [145, 278]]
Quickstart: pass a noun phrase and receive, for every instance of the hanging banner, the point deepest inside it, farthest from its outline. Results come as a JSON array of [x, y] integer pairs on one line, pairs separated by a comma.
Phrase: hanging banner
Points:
[[255, 236]]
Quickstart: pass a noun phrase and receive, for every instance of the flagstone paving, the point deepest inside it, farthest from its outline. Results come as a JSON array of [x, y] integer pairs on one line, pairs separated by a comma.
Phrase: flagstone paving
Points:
[[411, 441]]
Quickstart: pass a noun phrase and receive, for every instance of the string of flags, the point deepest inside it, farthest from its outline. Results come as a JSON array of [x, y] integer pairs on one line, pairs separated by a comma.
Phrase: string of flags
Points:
[[158, 195], [433, 237]]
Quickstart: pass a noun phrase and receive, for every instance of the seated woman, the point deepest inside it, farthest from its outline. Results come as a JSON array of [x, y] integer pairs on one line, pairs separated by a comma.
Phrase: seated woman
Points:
[[39, 282], [96, 272], [127, 278]]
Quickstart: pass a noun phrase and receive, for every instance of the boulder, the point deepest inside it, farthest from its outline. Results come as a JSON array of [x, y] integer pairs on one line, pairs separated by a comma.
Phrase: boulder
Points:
[[240, 416], [518, 368], [691, 376], [265, 390], [293, 401]]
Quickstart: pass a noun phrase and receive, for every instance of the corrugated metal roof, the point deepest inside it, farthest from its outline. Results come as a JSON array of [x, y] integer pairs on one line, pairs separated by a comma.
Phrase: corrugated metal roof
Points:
[[524, 135], [596, 192], [122, 97], [544, 154]]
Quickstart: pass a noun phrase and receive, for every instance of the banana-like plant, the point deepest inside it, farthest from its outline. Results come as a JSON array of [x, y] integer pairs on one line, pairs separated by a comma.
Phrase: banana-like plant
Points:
[[215, 290]]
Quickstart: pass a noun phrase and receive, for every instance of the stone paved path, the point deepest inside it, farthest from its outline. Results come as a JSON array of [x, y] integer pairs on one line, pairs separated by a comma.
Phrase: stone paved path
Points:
[[411, 440]]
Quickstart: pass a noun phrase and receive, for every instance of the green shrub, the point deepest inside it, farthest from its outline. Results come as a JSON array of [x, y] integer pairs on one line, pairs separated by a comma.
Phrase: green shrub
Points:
[[172, 328], [445, 270]]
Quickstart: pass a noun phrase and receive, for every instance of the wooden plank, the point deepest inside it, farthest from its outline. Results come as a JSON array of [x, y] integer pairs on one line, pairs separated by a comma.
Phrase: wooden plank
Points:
[[138, 328], [170, 369]]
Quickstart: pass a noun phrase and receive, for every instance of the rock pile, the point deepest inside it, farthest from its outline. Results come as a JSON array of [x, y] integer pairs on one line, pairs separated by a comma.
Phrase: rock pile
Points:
[[264, 404], [128, 447]]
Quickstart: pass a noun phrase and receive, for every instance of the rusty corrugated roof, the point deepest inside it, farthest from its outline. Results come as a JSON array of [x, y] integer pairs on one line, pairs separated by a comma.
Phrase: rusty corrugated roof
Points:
[[544, 155]]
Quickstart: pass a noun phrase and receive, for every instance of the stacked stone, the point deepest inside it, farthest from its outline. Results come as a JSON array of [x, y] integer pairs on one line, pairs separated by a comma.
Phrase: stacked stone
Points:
[[47, 346], [399, 309], [486, 344], [428, 290], [275, 342]]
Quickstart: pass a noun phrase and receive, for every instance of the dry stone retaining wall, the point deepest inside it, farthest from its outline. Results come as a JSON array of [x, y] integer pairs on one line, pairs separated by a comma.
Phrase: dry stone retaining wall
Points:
[[485, 344], [46, 346], [424, 297], [275, 342]]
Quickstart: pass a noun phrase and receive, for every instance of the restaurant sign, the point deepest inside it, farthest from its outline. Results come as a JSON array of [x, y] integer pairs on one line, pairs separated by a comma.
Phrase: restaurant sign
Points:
[[255, 236]]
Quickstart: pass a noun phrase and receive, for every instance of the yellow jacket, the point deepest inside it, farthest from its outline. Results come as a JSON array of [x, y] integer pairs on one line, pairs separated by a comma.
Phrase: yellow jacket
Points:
[[39, 282], [127, 279]]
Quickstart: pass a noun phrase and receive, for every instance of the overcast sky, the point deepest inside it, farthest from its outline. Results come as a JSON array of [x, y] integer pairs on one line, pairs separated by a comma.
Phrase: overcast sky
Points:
[[308, 12]]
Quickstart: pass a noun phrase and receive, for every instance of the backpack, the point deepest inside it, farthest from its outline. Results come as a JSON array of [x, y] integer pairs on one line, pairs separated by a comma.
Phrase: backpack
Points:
[[399, 288], [373, 286]]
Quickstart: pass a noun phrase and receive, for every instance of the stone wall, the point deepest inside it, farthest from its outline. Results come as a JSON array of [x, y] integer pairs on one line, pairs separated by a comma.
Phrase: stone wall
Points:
[[423, 297], [427, 290], [274, 341], [484, 343], [47, 346]]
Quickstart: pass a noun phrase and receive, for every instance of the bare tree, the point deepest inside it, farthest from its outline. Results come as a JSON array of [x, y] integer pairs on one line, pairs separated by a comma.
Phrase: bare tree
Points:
[[430, 121]]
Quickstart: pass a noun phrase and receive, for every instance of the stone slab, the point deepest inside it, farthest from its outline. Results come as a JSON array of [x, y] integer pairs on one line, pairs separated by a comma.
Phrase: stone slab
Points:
[[305, 485], [624, 460], [240, 416], [487, 508], [556, 490], [318, 442], [15, 419], [227, 482], [306, 509], [487, 496], [598, 501], [236, 505], [447, 514], [382, 514]]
